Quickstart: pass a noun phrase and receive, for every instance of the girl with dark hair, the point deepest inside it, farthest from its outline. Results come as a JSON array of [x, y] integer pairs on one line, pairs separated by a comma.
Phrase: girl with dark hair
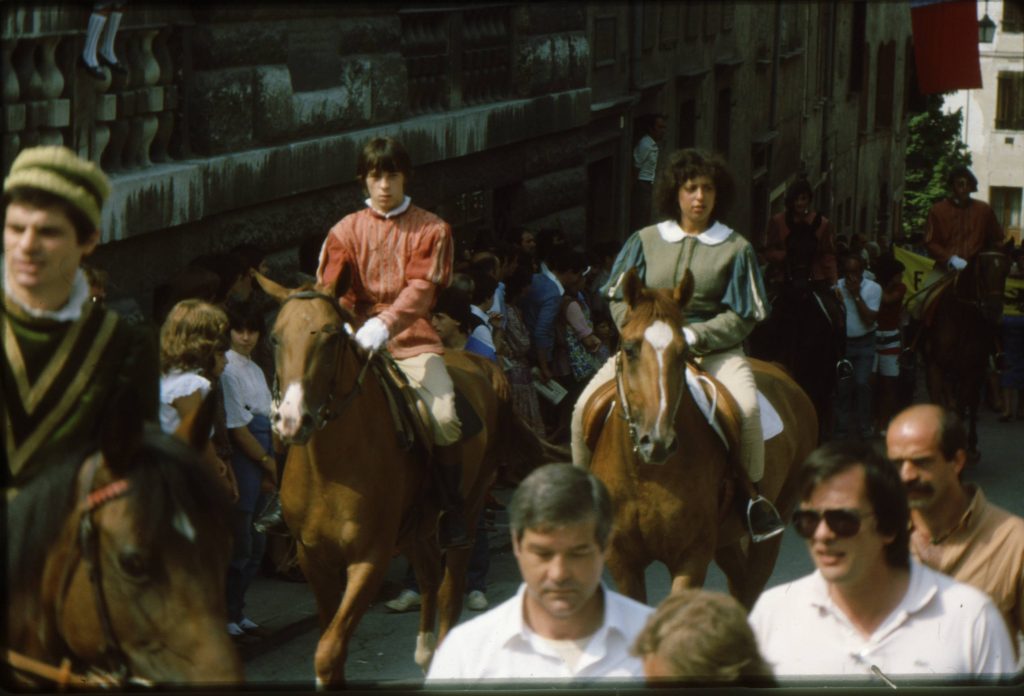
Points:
[[728, 300]]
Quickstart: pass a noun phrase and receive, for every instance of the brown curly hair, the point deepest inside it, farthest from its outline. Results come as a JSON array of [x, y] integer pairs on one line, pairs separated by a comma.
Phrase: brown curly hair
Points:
[[192, 335], [684, 165]]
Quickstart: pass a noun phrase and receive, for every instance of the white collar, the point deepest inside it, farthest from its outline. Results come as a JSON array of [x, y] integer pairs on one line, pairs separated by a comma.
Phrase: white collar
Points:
[[671, 232], [394, 212], [479, 312], [554, 279], [71, 310]]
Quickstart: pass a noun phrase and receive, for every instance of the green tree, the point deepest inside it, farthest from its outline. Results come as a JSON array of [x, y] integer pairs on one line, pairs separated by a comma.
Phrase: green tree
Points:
[[933, 149]]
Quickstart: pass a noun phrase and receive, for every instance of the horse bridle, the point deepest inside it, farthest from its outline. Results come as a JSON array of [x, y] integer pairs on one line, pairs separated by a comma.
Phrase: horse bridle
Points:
[[327, 411], [627, 415], [89, 501]]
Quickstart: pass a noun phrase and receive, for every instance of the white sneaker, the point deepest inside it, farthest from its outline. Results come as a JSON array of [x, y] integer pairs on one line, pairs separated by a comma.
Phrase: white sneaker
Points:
[[476, 601], [405, 601], [234, 630]]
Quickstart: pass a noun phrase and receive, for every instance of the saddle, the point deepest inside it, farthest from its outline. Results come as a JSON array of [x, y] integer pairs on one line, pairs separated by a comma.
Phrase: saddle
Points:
[[602, 405], [410, 413]]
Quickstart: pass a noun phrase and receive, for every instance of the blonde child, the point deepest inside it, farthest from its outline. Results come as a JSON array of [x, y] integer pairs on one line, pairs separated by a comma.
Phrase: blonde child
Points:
[[193, 341]]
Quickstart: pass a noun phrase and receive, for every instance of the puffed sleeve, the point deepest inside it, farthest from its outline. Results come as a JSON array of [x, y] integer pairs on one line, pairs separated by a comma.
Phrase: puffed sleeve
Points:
[[630, 256], [745, 302], [428, 267]]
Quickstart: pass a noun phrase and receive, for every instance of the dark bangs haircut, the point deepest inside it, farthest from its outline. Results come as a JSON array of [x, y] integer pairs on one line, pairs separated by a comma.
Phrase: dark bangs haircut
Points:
[[383, 155], [798, 187], [885, 491], [684, 165], [245, 316], [38, 198]]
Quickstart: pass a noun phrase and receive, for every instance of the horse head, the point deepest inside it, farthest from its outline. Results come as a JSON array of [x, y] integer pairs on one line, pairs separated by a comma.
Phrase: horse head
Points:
[[983, 283], [651, 364], [122, 559], [310, 337]]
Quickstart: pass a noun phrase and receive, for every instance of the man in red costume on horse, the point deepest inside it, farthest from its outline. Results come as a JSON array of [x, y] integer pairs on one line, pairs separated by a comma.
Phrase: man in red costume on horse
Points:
[[400, 255], [957, 229]]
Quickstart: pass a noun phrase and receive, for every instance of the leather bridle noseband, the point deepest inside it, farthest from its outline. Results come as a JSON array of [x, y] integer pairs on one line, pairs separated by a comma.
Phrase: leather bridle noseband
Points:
[[627, 414], [328, 411]]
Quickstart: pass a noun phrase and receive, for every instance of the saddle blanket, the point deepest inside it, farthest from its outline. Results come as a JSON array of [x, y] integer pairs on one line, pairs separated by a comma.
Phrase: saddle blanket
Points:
[[771, 422]]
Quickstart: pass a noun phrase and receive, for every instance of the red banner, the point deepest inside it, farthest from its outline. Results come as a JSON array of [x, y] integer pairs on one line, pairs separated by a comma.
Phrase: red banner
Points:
[[945, 45]]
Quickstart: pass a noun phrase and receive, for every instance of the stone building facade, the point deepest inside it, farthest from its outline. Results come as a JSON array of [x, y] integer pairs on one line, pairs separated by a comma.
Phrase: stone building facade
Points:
[[993, 116], [242, 123]]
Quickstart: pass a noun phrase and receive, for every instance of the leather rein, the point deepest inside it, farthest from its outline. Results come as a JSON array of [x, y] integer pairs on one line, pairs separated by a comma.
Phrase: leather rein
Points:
[[88, 548], [328, 411]]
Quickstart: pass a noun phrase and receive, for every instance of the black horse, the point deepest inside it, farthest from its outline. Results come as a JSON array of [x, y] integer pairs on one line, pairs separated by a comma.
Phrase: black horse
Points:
[[963, 335], [801, 335]]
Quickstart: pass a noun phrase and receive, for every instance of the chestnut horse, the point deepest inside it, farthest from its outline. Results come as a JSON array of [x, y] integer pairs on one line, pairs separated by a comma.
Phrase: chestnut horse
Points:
[[963, 335], [117, 565], [682, 510], [351, 495]]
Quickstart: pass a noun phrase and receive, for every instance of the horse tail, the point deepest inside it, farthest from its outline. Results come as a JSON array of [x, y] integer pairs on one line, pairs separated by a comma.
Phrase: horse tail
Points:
[[520, 448]]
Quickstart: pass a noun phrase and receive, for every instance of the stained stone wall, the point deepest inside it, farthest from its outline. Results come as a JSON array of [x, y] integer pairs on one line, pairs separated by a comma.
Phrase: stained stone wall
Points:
[[242, 124]]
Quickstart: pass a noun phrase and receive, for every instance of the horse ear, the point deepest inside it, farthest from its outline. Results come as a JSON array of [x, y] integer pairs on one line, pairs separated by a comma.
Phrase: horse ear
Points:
[[122, 429], [275, 290], [194, 428], [684, 291], [632, 287]]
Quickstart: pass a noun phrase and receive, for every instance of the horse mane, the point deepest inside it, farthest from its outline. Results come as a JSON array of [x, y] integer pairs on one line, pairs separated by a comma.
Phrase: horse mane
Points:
[[35, 518]]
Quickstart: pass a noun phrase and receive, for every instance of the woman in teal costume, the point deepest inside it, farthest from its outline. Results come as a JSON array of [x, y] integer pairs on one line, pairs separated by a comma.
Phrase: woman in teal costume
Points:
[[692, 193]]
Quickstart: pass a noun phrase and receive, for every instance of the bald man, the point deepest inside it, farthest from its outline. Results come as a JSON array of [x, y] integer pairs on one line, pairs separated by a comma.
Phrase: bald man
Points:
[[955, 530]]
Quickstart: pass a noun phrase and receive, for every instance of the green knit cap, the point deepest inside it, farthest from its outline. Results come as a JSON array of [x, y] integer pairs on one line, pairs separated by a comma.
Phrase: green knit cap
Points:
[[57, 170]]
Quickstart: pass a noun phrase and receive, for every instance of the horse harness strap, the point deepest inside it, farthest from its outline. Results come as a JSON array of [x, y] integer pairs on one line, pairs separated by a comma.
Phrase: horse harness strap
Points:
[[88, 540], [88, 550], [328, 411]]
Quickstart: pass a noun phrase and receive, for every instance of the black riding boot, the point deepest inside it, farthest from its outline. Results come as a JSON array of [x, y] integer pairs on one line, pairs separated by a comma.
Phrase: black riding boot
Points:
[[451, 528], [270, 520], [763, 519]]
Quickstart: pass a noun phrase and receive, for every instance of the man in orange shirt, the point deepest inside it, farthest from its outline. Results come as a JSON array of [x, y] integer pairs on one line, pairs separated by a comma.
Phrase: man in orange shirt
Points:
[[955, 530], [400, 255]]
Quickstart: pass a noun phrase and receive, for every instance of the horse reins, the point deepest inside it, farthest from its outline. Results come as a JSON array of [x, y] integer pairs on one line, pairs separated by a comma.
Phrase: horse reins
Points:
[[89, 501], [326, 412]]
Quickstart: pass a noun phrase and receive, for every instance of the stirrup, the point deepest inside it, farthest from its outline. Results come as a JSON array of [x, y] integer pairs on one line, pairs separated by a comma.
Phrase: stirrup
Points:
[[844, 369], [772, 524]]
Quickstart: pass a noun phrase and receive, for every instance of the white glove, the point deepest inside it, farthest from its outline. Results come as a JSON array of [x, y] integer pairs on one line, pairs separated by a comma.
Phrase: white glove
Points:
[[372, 335], [957, 262], [690, 336]]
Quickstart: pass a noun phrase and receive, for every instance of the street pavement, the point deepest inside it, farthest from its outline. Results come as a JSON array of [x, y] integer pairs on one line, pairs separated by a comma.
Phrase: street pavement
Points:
[[382, 650]]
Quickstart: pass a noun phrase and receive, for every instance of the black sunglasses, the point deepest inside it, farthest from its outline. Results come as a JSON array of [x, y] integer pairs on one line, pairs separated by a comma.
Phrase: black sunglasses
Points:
[[842, 521]]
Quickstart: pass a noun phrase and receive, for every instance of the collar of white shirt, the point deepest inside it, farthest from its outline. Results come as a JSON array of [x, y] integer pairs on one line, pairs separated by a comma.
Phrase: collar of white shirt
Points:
[[547, 271], [71, 310], [920, 591], [514, 628], [670, 231], [394, 212]]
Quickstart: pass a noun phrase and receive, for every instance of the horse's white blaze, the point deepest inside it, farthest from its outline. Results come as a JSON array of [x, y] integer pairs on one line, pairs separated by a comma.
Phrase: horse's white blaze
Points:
[[183, 525], [659, 335], [426, 644], [290, 410]]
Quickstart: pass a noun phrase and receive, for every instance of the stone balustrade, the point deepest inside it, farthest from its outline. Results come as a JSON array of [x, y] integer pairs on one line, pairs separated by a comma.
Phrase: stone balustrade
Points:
[[124, 122]]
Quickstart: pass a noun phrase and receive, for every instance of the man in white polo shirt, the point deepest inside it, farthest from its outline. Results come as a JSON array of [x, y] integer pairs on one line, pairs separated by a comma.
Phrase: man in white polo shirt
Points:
[[869, 609], [563, 623]]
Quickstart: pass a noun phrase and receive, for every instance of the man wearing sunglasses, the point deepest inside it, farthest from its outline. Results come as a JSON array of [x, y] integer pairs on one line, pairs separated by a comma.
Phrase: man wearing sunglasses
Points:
[[869, 610], [954, 529]]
